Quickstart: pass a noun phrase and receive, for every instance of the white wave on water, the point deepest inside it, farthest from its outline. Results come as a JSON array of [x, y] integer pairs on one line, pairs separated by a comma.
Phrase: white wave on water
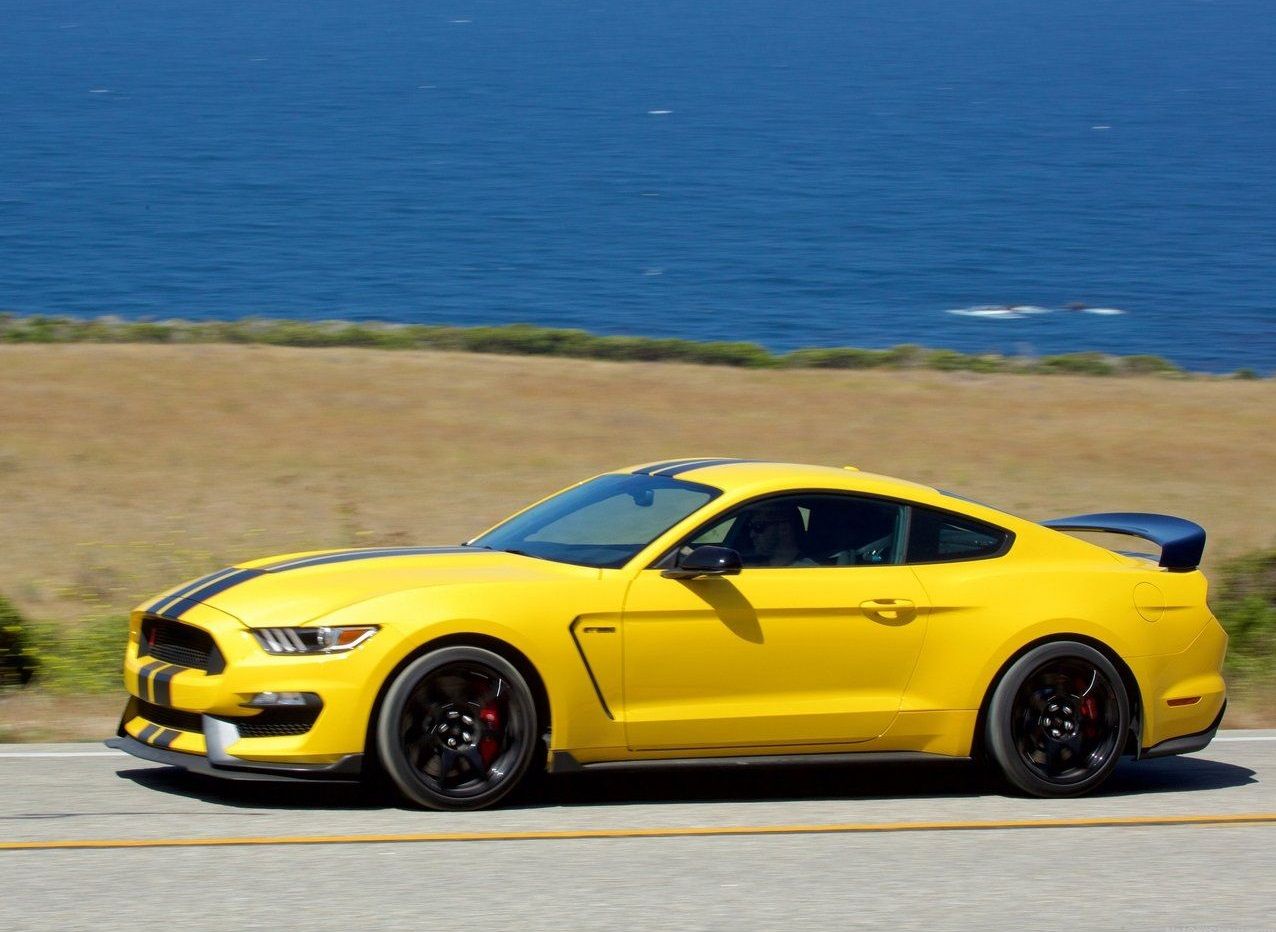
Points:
[[1020, 311], [659, 112], [995, 311]]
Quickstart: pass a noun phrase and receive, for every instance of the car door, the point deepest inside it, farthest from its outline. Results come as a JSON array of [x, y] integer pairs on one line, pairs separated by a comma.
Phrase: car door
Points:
[[813, 653]]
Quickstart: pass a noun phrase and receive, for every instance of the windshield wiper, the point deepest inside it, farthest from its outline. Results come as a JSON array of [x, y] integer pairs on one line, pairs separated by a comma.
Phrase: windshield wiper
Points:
[[517, 553]]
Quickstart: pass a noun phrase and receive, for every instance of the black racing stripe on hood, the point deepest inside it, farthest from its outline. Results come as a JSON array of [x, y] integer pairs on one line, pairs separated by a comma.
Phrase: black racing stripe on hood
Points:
[[371, 554], [201, 595], [202, 590], [172, 599]]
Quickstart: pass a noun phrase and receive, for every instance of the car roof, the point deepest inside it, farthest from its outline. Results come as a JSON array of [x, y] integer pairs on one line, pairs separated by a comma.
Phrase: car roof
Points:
[[741, 478], [731, 474]]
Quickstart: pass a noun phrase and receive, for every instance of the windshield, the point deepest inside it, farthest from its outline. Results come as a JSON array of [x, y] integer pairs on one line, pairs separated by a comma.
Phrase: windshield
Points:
[[603, 522]]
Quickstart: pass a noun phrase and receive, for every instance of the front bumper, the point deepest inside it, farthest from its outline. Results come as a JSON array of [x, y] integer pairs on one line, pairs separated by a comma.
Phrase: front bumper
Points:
[[193, 714]]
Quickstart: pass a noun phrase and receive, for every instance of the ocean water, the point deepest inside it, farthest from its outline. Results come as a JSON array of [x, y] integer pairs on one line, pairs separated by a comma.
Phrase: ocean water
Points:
[[793, 173]]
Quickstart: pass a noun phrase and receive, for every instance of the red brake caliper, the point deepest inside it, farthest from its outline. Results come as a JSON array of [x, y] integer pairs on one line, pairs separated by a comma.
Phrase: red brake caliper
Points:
[[1090, 713], [489, 746]]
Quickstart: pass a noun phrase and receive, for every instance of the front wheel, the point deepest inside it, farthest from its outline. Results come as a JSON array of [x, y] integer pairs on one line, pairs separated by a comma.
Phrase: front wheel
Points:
[[457, 729], [1058, 720]]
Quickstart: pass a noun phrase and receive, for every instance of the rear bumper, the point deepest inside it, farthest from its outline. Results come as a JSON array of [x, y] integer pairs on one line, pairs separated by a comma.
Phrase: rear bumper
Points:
[[218, 763], [1183, 694], [1186, 744]]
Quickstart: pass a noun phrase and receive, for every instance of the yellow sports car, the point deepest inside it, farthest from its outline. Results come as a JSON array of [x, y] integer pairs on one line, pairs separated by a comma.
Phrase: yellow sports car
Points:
[[690, 609]]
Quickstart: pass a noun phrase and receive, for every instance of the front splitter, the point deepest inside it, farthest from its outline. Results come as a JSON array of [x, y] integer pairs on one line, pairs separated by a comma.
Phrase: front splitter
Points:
[[347, 769]]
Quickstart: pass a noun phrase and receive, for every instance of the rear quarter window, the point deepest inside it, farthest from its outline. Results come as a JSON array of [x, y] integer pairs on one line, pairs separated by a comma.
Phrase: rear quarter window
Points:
[[939, 537]]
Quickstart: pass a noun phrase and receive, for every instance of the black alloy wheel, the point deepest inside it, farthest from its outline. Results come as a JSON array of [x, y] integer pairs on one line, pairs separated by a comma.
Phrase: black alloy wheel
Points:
[[457, 729], [1058, 720]]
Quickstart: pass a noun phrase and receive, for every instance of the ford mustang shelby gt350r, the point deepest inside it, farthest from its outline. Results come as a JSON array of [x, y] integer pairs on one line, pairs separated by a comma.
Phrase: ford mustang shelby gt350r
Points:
[[690, 609]]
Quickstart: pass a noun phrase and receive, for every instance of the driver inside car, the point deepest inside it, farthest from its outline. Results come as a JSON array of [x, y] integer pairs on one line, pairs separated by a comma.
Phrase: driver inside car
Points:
[[777, 537]]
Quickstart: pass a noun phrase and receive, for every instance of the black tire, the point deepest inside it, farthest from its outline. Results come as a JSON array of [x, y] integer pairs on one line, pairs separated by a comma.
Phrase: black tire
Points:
[[1058, 720], [457, 729]]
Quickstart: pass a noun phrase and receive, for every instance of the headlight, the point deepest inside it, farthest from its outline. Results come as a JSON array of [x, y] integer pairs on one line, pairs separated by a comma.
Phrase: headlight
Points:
[[312, 640]]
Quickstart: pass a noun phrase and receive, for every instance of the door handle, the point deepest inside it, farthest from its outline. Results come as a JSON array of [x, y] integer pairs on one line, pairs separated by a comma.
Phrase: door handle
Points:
[[887, 605]]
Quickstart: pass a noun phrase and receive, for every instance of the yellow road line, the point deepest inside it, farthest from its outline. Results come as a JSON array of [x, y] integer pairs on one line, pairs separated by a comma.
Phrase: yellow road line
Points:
[[835, 828]]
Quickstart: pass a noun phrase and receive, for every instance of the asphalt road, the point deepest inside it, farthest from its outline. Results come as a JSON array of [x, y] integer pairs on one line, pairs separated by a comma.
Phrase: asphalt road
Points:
[[1174, 843]]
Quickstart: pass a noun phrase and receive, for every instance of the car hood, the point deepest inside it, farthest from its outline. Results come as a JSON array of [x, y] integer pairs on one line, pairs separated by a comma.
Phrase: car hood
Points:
[[298, 588]]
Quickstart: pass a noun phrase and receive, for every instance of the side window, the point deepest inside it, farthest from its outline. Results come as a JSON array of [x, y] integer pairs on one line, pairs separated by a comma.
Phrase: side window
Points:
[[809, 530], [717, 534], [937, 537]]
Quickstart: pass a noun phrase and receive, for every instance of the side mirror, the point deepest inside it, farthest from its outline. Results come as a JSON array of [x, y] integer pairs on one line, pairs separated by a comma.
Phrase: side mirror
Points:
[[708, 560]]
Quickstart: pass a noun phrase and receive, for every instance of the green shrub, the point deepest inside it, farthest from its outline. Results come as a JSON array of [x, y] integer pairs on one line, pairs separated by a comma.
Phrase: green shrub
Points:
[[37, 329], [838, 357], [17, 659], [1244, 600], [532, 340], [88, 658], [304, 333], [638, 349], [952, 360], [1077, 363], [149, 333], [1148, 365], [228, 331], [391, 338], [747, 355], [904, 355]]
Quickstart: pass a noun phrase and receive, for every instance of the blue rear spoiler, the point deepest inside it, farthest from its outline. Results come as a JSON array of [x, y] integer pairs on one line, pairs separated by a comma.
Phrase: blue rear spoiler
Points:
[[1181, 541]]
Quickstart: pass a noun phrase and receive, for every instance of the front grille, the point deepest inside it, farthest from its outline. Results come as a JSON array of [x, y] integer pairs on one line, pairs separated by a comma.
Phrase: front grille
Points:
[[269, 723], [170, 718], [276, 723], [184, 645]]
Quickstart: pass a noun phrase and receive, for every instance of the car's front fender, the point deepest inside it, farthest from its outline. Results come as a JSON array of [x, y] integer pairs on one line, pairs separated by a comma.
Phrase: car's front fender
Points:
[[532, 620]]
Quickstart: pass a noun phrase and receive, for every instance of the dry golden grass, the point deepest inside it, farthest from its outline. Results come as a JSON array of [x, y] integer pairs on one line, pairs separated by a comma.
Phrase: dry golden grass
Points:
[[125, 468], [122, 468], [36, 716]]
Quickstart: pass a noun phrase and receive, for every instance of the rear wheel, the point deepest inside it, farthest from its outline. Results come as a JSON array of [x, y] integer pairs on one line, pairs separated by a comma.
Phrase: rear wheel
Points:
[[1058, 720], [457, 729]]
